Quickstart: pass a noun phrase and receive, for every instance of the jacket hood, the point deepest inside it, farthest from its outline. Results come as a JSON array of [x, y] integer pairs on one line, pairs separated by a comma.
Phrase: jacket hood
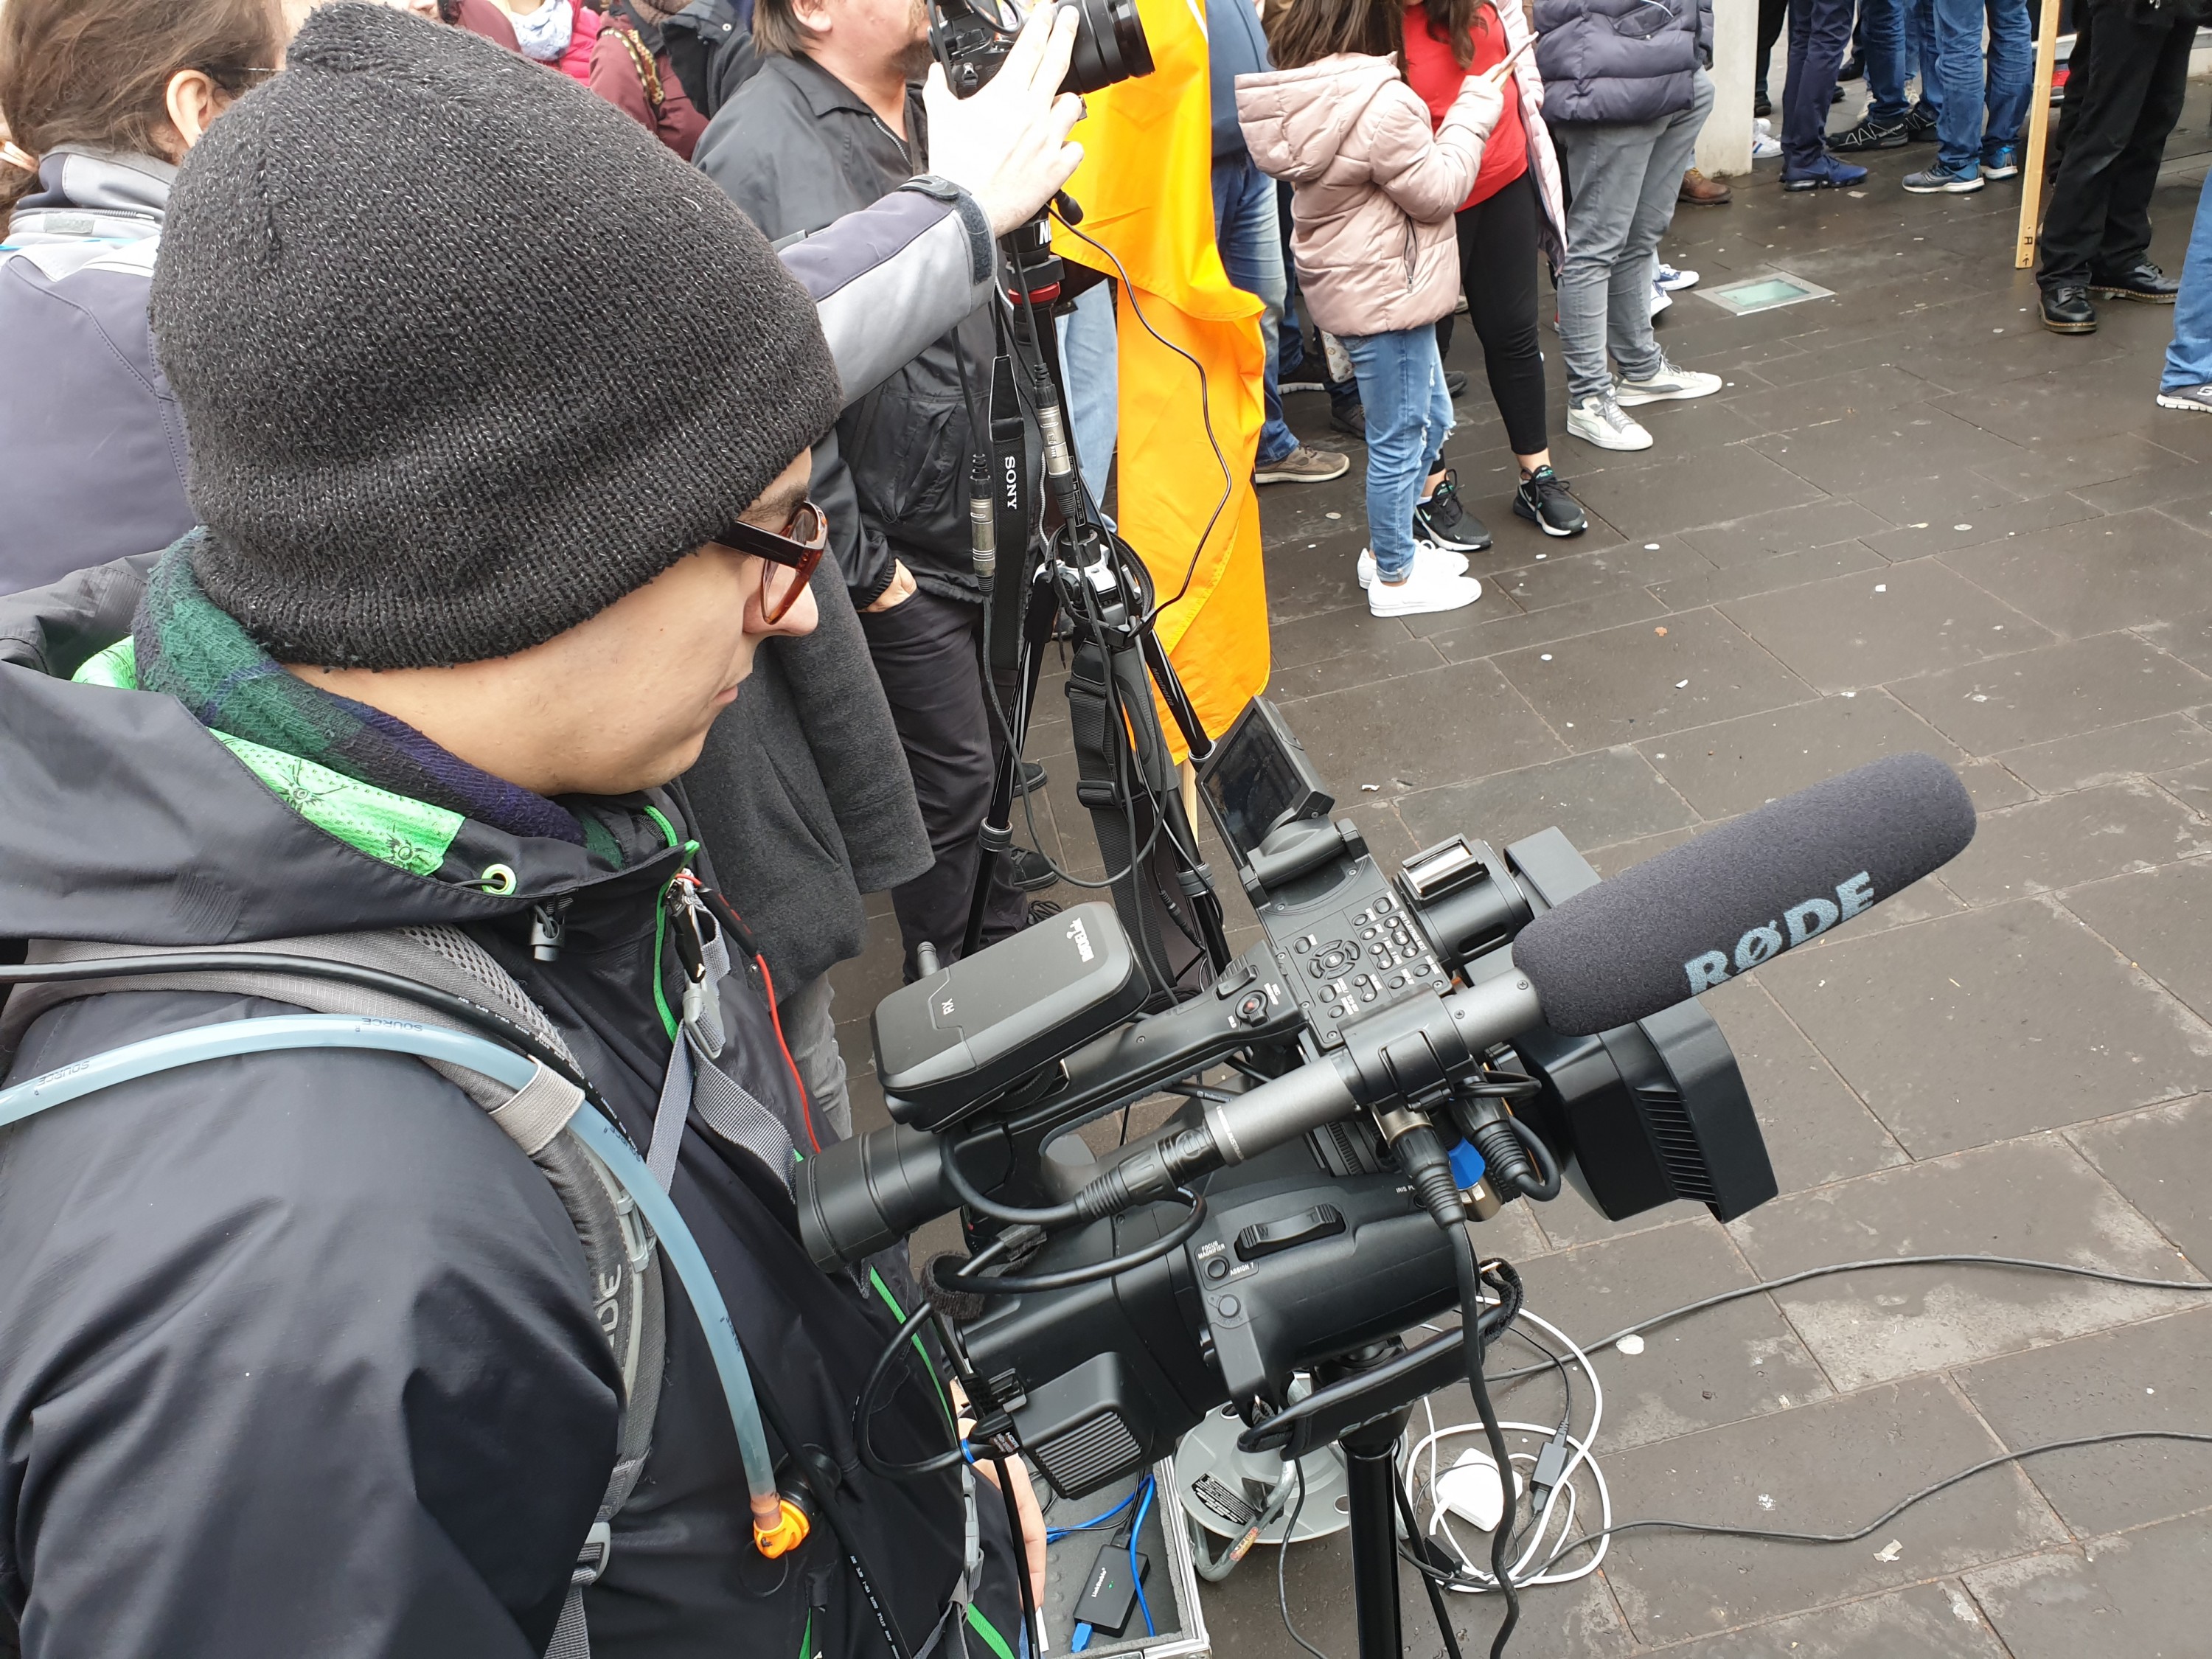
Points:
[[128, 822], [1295, 120]]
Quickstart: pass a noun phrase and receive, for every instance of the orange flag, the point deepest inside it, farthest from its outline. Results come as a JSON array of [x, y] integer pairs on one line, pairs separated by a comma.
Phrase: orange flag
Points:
[[1146, 190]]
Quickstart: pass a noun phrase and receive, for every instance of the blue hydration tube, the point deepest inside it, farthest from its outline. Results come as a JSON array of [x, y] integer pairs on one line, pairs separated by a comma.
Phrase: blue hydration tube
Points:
[[477, 1053]]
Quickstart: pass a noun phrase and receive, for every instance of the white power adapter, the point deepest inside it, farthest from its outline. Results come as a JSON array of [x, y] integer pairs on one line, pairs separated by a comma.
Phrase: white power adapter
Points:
[[1471, 1491]]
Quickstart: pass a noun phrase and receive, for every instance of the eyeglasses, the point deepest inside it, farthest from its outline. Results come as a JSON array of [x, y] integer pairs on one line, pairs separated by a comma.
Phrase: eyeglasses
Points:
[[792, 555]]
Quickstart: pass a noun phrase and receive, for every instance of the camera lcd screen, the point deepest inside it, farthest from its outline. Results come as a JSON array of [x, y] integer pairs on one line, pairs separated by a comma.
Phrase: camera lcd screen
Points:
[[1257, 779]]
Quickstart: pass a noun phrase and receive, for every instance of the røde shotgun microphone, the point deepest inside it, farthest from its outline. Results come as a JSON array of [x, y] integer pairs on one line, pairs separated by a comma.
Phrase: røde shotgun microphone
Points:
[[1698, 914]]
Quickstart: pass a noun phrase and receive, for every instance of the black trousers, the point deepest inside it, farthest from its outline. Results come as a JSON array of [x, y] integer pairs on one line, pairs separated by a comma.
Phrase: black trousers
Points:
[[2117, 118], [926, 652], [1772, 14], [1498, 259]]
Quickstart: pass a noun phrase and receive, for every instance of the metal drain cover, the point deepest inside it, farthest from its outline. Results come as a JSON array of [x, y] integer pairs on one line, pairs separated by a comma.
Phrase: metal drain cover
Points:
[[1764, 293]]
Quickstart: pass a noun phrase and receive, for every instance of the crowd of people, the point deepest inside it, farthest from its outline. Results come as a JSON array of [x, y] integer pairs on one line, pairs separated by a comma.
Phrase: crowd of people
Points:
[[522, 448]]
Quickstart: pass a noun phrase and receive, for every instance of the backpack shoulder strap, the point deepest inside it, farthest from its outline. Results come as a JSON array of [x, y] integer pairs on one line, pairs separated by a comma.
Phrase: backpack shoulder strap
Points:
[[619, 1256]]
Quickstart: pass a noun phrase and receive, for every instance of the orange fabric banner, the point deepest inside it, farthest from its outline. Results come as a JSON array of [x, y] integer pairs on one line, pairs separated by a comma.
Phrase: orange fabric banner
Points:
[[1146, 190]]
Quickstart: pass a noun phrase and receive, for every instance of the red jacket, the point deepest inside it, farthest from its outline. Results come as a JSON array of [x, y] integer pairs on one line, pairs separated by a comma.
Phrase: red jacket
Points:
[[642, 84]]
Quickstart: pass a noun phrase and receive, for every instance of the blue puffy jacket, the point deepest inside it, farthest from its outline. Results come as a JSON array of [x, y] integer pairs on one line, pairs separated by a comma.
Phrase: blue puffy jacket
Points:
[[1621, 60]]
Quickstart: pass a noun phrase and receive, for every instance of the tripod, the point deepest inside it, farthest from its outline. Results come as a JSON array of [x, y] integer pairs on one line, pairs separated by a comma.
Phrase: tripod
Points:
[[1066, 562]]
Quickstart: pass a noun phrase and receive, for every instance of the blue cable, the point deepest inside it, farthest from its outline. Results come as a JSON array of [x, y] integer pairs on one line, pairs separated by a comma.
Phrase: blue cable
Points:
[[1136, 1575], [1053, 1535], [1081, 1639]]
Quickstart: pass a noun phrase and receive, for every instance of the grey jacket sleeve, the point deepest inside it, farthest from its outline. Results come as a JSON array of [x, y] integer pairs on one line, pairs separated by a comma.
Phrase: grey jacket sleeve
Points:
[[55, 629], [300, 1359], [894, 276]]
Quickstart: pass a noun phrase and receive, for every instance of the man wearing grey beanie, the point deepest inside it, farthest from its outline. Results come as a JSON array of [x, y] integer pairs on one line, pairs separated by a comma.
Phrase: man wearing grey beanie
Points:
[[302, 1357]]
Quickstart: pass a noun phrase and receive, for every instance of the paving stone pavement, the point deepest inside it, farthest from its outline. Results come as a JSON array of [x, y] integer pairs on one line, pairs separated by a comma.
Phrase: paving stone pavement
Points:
[[1913, 519]]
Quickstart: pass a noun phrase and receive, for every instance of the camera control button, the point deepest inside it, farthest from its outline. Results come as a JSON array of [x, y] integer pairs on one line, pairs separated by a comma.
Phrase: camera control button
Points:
[[1228, 1306], [1254, 1009], [1218, 1267], [1302, 944], [1397, 981], [1384, 905]]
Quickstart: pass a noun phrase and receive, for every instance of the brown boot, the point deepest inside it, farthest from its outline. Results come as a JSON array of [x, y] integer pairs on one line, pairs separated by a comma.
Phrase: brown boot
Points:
[[1701, 191]]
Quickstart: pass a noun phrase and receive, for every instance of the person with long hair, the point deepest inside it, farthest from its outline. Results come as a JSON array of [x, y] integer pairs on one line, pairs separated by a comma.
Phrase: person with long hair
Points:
[[1515, 208], [1373, 190], [103, 97]]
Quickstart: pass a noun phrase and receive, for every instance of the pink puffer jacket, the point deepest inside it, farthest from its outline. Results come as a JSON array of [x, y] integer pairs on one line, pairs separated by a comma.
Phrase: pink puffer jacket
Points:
[[1372, 190]]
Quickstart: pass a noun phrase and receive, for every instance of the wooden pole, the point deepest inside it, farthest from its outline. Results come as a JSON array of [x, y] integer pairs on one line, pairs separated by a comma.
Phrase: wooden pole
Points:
[[2038, 131]]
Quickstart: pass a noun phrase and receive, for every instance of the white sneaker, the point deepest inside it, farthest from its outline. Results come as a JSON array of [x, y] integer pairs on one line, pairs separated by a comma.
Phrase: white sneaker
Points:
[[1425, 553], [1763, 149], [1660, 298], [1427, 589], [1598, 419], [1667, 382], [1671, 279]]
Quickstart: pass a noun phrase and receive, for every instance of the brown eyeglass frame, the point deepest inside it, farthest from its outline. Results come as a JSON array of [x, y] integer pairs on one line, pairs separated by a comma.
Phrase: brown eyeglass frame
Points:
[[794, 549]]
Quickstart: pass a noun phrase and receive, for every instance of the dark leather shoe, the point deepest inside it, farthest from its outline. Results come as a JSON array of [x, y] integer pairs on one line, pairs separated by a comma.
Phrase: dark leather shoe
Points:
[[2145, 283], [2067, 310], [1701, 191]]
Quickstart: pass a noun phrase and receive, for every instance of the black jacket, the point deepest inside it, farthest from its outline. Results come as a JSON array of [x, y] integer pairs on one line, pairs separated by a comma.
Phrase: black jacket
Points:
[[296, 1349], [797, 149]]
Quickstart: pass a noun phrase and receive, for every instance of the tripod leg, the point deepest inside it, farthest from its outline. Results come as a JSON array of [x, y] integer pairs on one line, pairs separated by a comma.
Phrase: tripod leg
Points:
[[1372, 1476], [997, 832]]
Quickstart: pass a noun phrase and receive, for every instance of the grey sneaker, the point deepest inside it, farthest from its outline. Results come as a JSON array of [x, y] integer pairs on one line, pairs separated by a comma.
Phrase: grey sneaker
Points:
[[1597, 420], [2198, 398], [1667, 384], [1305, 464]]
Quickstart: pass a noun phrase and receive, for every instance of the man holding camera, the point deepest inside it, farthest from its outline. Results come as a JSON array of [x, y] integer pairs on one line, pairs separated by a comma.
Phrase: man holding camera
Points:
[[832, 119], [302, 1357]]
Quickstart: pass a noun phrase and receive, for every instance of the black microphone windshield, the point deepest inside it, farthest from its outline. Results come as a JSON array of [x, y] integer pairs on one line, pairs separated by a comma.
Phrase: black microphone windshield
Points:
[[1700, 914]]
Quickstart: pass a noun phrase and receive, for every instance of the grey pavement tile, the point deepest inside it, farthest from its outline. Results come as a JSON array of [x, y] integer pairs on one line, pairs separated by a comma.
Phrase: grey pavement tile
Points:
[[2172, 484], [1568, 574], [1576, 1621], [2036, 1197], [1854, 391], [1467, 641], [2155, 1374], [1739, 1361], [1922, 534], [1937, 1621], [2121, 570], [1867, 452], [1387, 659], [1990, 1024], [2054, 405], [1629, 682], [1732, 766], [1610, 861], [1816, 1130], [1599, 798], [1690, 489], [2189, 785], [1829, 1467], [1991, 786], [1883, 624], [2185, 634], [2196, 512], [866, 980], [2161, 1160], [2073, 838], [2158, 918], [2079, 685], [1572, 1218], [1459, 722], [2049, 466], [2120, 752], [1767, 576], [1946, 496], [1326, 634], [1761, 536], [2140, 1595]]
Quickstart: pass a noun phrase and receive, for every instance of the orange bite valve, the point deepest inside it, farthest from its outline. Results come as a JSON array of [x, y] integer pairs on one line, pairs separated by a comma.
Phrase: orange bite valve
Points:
[[786, 1534]]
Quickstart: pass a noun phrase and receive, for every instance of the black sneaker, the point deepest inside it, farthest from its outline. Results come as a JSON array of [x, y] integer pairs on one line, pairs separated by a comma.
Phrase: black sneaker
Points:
[[1870, 134], [1920, 124], [1455, 385], [1347, 414], [1028, 870], [1543, 501], [1443, 520], [1033, 775]]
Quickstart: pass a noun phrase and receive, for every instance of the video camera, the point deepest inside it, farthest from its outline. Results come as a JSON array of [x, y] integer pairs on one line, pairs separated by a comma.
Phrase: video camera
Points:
[[1277, 1227], [971, 38]]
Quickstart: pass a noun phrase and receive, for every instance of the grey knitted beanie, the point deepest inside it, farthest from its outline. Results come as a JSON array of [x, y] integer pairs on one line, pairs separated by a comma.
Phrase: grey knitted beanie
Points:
[[464, 354]]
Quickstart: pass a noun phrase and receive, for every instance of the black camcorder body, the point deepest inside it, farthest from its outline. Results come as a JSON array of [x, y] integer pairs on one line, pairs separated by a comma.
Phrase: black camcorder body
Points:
[[1371, 1004], [971, 38]]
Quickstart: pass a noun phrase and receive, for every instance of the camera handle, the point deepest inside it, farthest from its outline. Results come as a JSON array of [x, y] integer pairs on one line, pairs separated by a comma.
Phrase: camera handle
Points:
[[1161, 887]]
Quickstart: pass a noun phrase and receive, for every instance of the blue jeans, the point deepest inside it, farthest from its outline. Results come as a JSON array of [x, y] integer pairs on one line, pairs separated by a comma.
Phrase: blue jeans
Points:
[[1883, 25], [2004, 87], [2189, 359], [1409, 415], [1251, 243], [1819, 32], [1090, 361]]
